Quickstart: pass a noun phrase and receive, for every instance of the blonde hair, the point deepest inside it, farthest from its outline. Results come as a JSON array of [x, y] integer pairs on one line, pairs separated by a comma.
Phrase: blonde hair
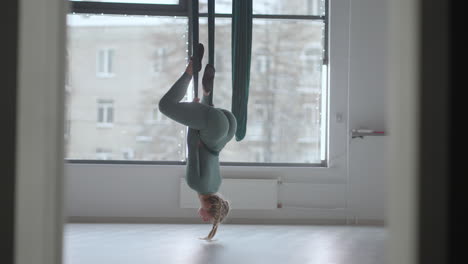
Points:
[[219, 210]]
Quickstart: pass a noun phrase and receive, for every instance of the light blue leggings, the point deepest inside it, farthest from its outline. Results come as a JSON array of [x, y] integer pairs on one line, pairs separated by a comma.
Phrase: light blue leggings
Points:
[[210, 129]]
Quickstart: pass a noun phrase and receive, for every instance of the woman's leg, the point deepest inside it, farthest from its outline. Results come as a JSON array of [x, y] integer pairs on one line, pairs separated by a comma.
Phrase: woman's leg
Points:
[[193, 115]]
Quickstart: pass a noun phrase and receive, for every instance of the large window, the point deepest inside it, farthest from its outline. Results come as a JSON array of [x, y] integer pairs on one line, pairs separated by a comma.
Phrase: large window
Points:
[[145, 54]]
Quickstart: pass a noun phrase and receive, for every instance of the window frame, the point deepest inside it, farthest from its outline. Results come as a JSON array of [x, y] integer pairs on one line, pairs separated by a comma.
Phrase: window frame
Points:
[[129, 8], [184, 9]]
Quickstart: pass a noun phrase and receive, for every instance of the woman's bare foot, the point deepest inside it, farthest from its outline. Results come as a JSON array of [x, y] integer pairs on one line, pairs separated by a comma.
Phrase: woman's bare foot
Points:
[[198, 52], [208, 78], [195, 61], [189, 69]]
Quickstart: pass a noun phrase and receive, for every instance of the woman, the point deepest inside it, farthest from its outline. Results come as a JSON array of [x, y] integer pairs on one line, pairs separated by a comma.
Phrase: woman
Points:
[[210, 129]]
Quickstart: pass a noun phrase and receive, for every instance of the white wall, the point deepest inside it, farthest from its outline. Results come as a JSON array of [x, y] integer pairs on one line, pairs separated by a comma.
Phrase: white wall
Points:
[[368, 64], [39, 171], [129, 191], [403, 144], [367, 106], [367, 178], [153, 192]]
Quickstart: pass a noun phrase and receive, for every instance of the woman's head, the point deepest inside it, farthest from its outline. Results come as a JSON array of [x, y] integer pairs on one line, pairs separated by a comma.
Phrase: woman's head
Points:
[[214, 209]]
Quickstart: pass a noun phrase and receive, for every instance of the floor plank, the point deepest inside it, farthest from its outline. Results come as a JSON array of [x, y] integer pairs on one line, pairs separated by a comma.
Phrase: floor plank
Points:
[[175, 243]]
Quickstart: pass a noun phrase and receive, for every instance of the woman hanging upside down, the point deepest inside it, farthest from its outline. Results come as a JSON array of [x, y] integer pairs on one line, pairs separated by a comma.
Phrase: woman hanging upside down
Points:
[[210, 129]]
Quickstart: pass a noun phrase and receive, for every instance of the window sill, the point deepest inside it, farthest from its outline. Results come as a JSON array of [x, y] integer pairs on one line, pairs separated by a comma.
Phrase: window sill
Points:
[[144, 139], [322, 165], [157, 122], [104, 125], [105, 75]]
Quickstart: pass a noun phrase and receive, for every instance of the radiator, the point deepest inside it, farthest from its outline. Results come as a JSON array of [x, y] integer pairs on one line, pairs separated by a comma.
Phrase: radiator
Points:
[[242, 194]]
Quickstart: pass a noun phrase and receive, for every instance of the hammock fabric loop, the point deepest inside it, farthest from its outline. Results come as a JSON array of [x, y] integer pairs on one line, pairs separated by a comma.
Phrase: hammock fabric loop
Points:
[[240, 51], [195, 42], [211, 40], [241, 56]]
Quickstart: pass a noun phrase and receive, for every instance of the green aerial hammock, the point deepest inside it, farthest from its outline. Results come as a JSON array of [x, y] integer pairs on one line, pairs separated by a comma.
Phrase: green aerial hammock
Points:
[[195, 41], [241, 56]]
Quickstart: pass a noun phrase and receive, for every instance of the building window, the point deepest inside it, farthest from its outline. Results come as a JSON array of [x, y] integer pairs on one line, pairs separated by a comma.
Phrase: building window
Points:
[[67, 69], [219, 62], [159, 61], [310, 127], [128, 154], [312, 58], [154, 116], [256, 154], [310, 113], [105, 62], [103, 154], [158, 116], [262, 62], [105, 113]]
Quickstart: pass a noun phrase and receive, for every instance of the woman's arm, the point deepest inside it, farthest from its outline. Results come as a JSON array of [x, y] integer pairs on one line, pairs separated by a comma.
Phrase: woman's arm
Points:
[[193, 160]]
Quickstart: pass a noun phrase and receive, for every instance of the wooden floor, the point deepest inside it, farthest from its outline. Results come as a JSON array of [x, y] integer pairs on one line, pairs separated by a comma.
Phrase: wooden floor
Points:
[[175, 243]]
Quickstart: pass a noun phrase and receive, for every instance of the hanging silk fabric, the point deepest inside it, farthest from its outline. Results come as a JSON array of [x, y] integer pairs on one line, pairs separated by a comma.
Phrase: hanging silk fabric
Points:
[[240, 51], [241, 55], [195, 41], [211, 39]]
